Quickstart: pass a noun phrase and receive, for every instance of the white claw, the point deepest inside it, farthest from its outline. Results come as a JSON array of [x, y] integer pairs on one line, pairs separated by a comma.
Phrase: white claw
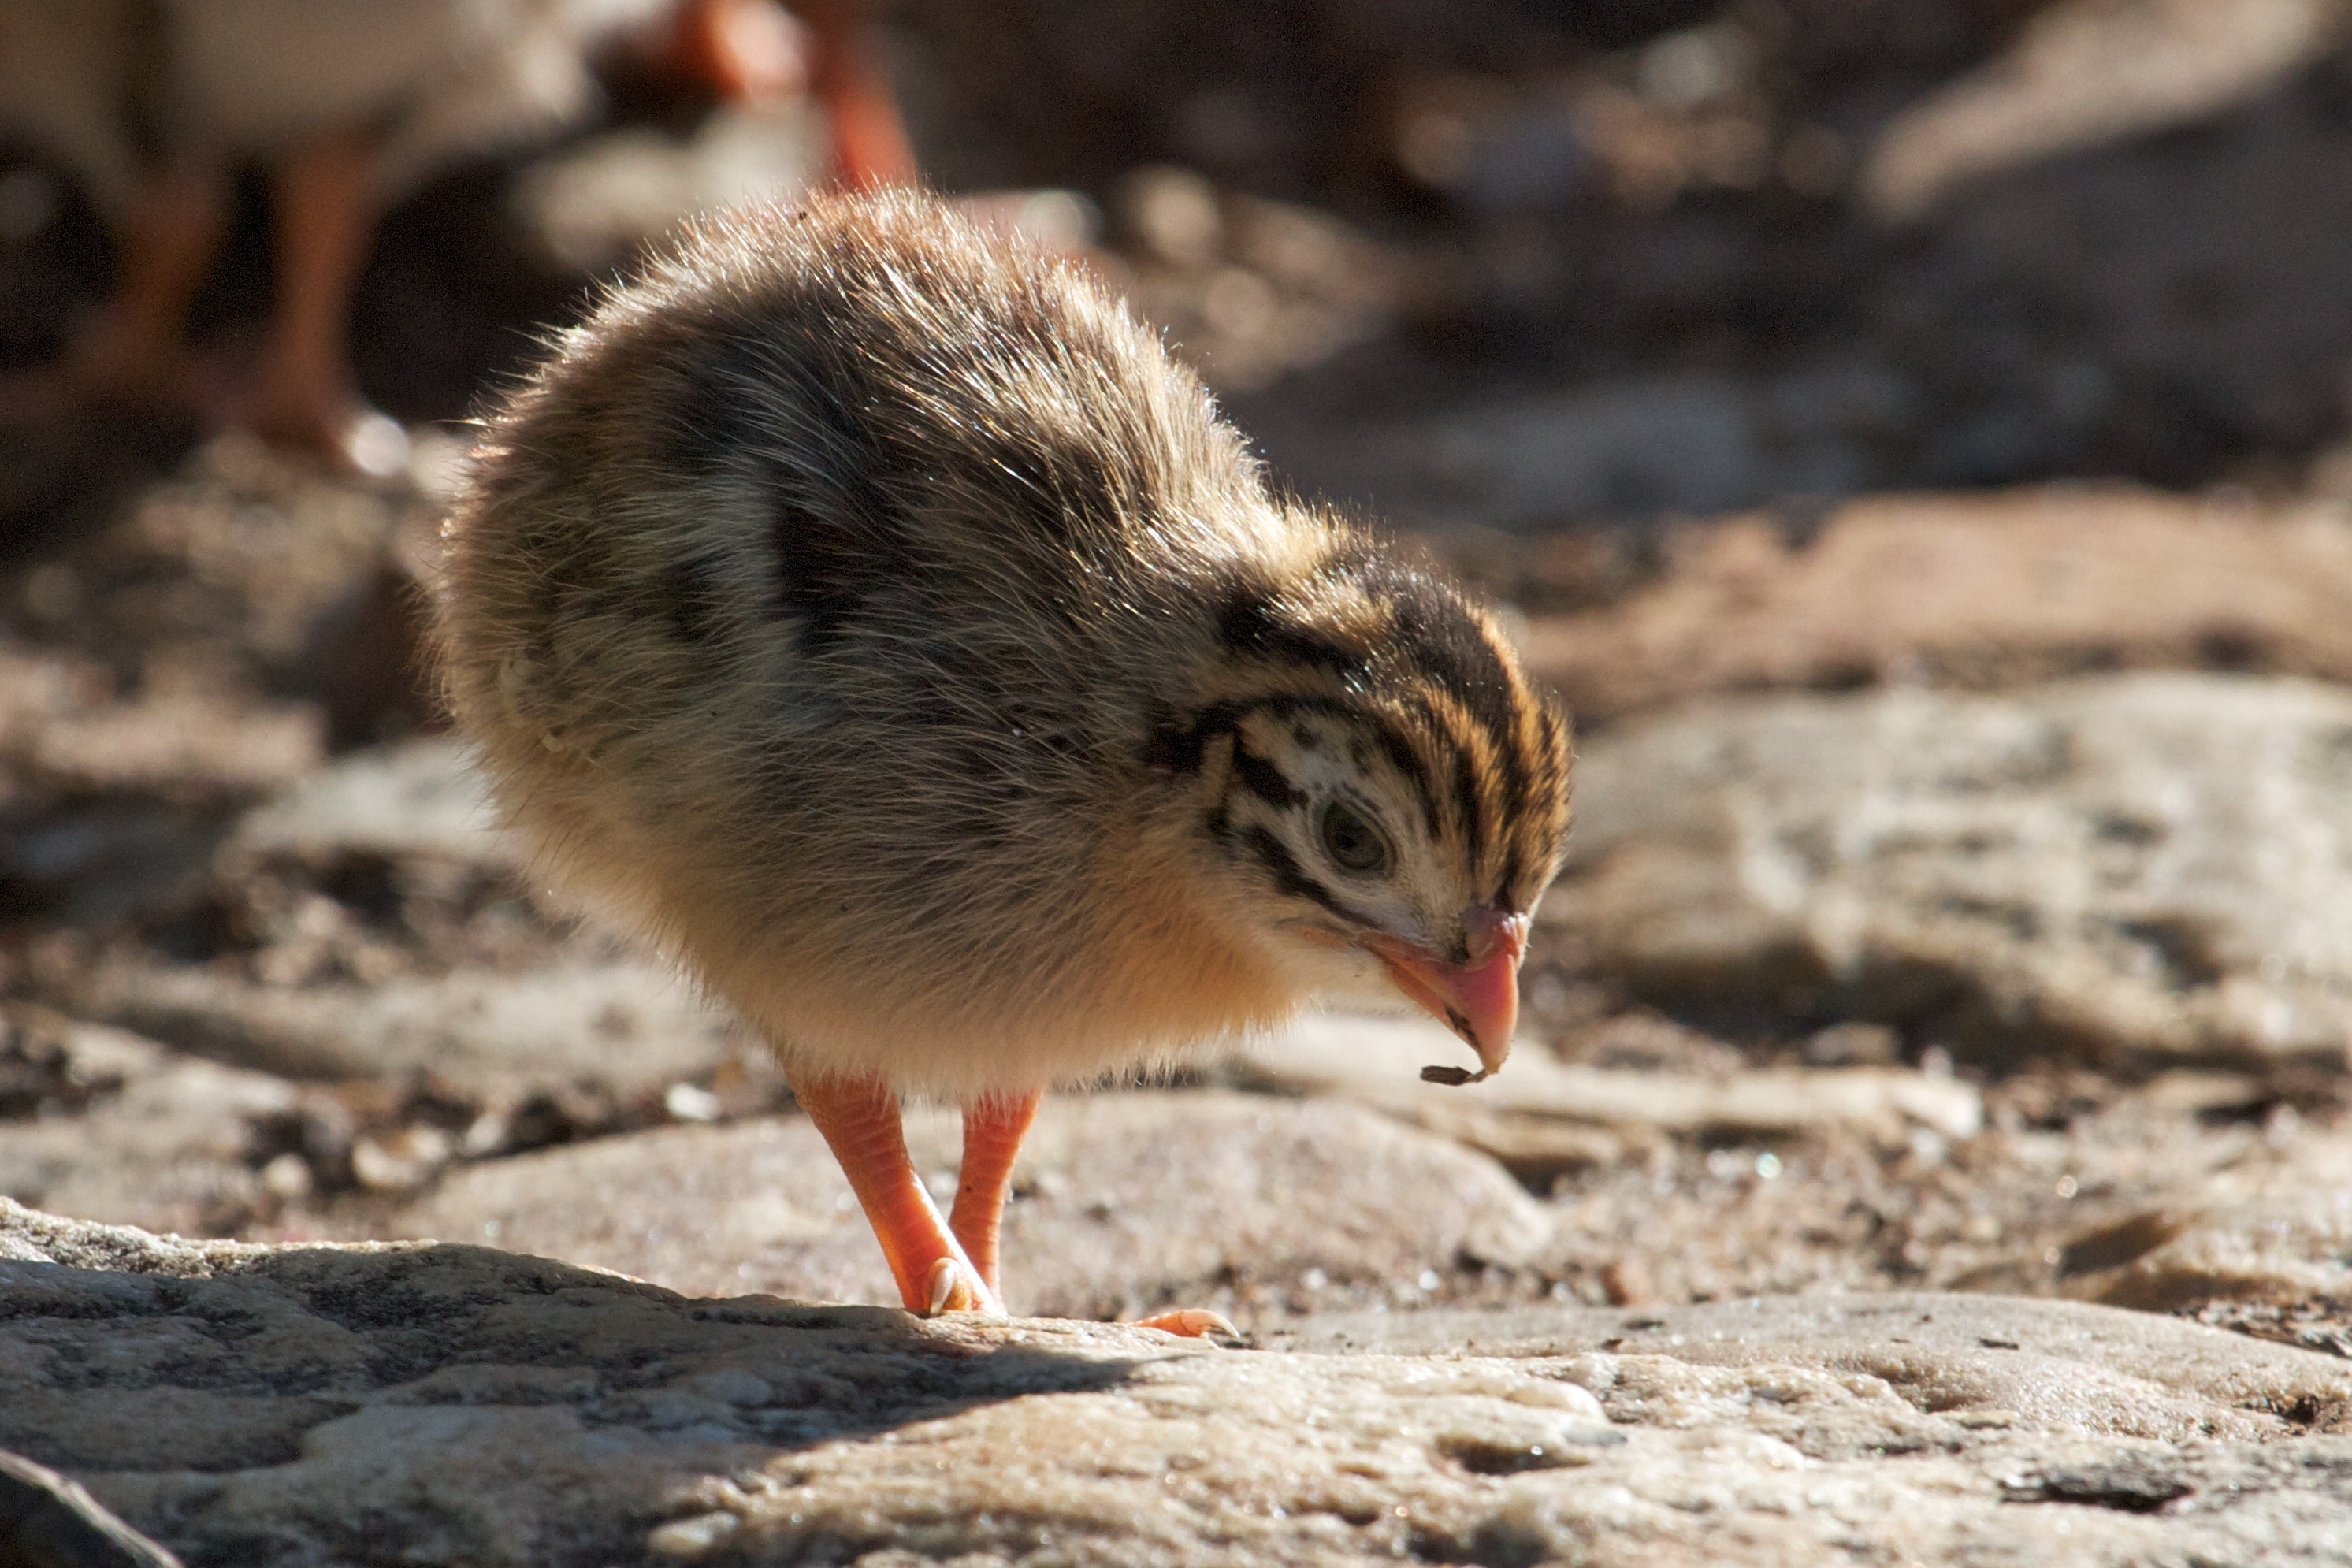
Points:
[[941, 1285], [1191, 1323]]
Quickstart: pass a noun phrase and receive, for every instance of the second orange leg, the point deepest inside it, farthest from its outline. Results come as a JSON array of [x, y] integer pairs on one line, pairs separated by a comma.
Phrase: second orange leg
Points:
[[992, 1130], [326, 202], [859, 1119]]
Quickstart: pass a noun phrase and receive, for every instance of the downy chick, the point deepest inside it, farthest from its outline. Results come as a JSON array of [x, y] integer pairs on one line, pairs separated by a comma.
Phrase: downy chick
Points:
[[877, 616]]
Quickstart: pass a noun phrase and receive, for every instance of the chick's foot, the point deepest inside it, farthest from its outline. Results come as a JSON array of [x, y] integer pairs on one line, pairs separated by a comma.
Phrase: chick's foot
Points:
[[859, 1119], [330, 423], [953, 1287], [1191, 1323]]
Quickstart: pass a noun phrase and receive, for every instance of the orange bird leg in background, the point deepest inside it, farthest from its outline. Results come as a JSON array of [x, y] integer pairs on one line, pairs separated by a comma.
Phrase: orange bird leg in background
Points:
[[137, 343], [746, 50], [992, 1130], [326, 210], [870, 148], [859, 1119]]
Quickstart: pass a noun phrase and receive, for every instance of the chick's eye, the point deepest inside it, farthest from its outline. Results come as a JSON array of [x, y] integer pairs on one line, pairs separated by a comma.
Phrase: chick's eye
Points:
[[1354, 845]]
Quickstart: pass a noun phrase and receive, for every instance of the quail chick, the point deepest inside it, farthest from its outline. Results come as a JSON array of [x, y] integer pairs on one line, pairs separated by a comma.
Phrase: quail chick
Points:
[[875, 614]]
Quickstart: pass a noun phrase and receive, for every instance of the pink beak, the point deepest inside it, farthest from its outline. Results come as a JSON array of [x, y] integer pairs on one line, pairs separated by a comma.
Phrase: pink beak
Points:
[[1478, 1000]]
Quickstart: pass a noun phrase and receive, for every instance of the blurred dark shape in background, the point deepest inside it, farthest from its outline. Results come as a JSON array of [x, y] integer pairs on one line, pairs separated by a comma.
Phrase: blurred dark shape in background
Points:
[[153, 108], [1682, 257], [196, 188], [1491, 268], [1801, 247]]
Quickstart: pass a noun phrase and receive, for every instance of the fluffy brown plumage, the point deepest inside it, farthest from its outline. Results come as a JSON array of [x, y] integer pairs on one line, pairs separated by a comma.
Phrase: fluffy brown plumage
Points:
[[878, 616]]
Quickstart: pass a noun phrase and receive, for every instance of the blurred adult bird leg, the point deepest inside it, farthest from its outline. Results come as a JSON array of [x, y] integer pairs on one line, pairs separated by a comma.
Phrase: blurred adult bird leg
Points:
[[155, 104]]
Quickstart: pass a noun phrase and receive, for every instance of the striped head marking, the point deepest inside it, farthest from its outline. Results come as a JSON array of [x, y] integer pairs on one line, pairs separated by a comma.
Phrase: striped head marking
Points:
[[1378, 774]]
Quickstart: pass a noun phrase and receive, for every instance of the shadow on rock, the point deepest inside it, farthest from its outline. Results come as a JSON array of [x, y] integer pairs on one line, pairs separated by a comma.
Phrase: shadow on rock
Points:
[[218, 1395]]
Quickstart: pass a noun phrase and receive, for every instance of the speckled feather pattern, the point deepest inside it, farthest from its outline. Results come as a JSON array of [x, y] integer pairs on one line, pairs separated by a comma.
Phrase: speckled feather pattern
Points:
[[872, 613]]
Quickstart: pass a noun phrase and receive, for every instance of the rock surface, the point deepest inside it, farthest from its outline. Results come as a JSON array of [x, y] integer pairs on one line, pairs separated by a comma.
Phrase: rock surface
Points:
[[626, 1024], [163, 1140], [2088, 72], [47, 1520], [1123, 1203], [262, 1405], [375, 931], [1978, 592], [420, 798], [2274, 1234], [1376, 1061], [2133, 864]]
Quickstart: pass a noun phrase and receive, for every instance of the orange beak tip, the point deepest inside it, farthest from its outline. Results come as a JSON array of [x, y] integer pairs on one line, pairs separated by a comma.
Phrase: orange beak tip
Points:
[[1478, 1000]]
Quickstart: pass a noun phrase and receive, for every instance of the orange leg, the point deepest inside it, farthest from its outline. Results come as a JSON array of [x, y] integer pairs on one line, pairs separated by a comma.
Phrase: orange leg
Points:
[[870, 149], [992, 1131], [138, 343], [326, 207], [859, 1119], [746, 49]]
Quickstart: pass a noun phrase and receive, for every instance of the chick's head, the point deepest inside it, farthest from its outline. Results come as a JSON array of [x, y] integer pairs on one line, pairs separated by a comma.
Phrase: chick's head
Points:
[[1381, 796]]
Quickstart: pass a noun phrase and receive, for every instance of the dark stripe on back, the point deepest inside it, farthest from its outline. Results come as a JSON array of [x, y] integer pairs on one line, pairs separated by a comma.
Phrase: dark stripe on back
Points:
[[832, 552], [1250, 623], [775, 414], [712, 411], [692, 594]]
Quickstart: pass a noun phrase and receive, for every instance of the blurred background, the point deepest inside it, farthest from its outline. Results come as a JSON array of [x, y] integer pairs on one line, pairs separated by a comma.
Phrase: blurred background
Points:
[[1807, 247], [1912, 435]]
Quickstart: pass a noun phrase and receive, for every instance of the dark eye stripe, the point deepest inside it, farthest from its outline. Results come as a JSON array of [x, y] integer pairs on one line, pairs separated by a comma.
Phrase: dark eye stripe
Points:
[[1290, 878], [1180, 742], [1266, 781], [1181, 745]]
